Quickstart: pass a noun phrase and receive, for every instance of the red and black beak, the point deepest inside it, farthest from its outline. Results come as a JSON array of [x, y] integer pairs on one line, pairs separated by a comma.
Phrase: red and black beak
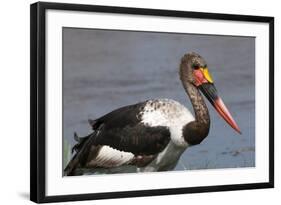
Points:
[[210, 91]]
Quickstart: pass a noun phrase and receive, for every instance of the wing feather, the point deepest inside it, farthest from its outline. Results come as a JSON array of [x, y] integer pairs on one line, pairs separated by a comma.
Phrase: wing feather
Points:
[[123, 132]]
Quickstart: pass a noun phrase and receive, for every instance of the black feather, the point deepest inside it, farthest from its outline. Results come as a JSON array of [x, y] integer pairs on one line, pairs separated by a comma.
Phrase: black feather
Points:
[[123, 130]]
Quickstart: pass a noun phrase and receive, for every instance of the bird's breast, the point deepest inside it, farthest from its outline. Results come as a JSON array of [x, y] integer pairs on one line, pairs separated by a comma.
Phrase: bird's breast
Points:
[[167, 159]]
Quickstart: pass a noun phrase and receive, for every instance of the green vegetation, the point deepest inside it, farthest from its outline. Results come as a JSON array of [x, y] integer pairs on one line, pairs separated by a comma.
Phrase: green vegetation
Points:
[[66, 152]]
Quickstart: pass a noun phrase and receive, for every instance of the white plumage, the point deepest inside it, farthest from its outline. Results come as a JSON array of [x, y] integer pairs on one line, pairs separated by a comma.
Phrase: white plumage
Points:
[[108, 157]]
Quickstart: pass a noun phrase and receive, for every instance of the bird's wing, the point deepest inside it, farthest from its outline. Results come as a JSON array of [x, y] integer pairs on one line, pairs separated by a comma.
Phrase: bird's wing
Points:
[[123, 130], [120, 137], [116, 146], [137, 139]]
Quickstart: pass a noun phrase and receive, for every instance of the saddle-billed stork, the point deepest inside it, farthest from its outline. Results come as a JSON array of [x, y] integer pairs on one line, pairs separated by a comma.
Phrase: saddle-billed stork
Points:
[[152, 135]]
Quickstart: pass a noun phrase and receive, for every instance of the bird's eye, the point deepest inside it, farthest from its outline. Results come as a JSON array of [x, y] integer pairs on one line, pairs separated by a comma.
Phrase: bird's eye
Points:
[[195, 67]]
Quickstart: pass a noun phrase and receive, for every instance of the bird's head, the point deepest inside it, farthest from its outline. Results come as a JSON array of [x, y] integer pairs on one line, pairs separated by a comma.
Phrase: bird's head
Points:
[[195, 72]]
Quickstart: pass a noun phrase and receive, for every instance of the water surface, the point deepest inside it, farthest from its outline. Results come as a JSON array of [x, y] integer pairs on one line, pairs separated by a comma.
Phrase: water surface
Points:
[[104, 70]]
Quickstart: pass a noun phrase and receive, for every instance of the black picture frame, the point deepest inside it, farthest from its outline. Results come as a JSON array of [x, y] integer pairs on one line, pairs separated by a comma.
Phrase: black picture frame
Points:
[[38, 100]]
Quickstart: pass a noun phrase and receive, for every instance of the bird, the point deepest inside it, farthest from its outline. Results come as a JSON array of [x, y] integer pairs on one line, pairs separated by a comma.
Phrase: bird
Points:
[[153, 134]]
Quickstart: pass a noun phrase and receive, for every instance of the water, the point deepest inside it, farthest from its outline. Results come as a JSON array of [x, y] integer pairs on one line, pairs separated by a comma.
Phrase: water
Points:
[[104, 70]]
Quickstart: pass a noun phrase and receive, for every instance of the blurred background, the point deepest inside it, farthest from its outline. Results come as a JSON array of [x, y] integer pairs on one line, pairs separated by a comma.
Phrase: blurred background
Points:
[[105, 69]]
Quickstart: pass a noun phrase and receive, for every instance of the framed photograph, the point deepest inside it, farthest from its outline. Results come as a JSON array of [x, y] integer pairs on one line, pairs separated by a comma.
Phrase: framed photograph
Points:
[[129, 102]]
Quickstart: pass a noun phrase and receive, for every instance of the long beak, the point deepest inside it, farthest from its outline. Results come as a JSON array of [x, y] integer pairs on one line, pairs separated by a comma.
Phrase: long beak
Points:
[[210, 91]]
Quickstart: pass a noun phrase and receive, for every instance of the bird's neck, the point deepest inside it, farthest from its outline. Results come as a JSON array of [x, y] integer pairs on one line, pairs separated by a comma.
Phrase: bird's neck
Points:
[[194, 132], [199, 106]]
